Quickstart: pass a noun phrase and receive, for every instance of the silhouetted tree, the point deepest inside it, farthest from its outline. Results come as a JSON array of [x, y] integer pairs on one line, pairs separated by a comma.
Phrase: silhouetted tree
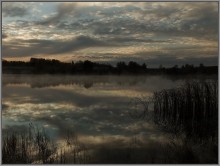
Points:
[[40, 65], [144, 66], [121, 66], [134, 67], [88, 66]]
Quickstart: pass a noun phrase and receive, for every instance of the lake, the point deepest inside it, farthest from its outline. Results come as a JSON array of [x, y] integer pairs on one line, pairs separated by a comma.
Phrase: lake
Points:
[[98, 109]]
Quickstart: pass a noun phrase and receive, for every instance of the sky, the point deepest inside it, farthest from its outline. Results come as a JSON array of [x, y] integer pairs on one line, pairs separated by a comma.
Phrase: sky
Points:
[[155, 33]]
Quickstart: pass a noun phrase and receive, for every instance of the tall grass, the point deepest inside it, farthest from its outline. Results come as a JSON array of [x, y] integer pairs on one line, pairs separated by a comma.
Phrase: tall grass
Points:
[[29, 147], [139, 108], [192, 109], [35, 147]]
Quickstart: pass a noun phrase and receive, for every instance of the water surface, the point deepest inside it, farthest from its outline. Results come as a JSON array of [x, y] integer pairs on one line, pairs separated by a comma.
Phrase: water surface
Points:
[[95, 107]]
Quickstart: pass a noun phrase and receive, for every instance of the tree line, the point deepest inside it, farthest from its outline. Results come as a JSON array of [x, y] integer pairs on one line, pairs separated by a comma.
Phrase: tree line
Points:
[[53, 66]]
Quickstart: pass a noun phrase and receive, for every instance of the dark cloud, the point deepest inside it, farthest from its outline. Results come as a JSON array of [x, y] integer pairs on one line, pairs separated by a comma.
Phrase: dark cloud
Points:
[[156, 58], [62, 11], [119, 26], [203, 20], [114, 10], [78, 43], [4, 36], [170, 20], [161, 11], [122, 40], [50, 46], [171, 61], [67, 12], [12, 10]]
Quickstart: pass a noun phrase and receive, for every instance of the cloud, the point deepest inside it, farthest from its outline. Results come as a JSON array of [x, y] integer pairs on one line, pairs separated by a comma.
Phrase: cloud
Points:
[[166, 57], [121, 40], [62, 10], [13, 10], [170, 19], [33, 46], [67, 10], [119, 29], [201, 21], [116, 10], [154, 59], [4, 36], [161, 10], [78, 43], [119, 26], [171, 61], [197, 19]]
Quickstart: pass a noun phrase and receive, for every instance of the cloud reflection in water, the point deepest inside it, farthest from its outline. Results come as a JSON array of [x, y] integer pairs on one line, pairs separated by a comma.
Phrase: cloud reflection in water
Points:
[[94, 112]]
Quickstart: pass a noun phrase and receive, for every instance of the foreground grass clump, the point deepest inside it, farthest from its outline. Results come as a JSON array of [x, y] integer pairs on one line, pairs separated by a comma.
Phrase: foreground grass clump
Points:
[[191, 109], [38, 149], [33, 146]]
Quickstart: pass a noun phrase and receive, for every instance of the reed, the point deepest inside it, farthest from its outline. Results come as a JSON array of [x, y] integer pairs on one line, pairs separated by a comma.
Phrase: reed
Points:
[[191, 108], [33, 146], [139, 108], [23, 148]]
